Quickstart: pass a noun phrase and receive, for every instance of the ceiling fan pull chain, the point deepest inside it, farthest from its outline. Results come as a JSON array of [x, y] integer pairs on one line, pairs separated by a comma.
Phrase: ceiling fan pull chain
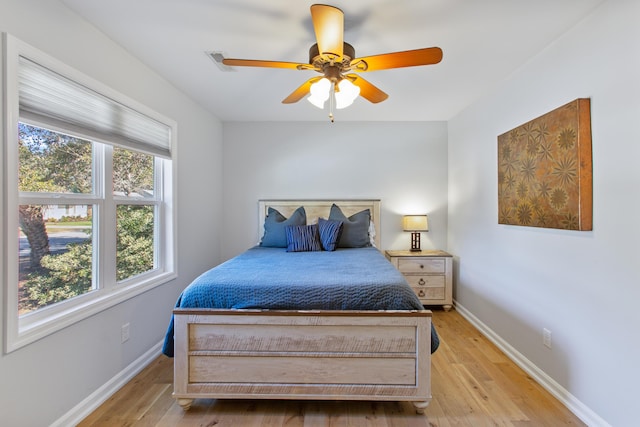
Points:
[[332, 98]]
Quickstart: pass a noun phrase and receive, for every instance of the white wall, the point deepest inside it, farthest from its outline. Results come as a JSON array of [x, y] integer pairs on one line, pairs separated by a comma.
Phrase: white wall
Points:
[[583, 286], [402, 163], [43, 381]]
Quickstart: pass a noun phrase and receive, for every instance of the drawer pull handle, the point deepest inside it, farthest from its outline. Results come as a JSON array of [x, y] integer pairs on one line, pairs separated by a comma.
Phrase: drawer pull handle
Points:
[[421, 266], [421, 282], [421, 293]]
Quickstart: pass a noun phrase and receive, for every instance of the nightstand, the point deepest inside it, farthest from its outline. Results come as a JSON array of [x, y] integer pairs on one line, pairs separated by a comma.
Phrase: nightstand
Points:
[[429, 274]]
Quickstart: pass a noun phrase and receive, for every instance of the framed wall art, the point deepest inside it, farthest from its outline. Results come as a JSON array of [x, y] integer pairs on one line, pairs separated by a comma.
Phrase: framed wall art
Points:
[[545, 172]]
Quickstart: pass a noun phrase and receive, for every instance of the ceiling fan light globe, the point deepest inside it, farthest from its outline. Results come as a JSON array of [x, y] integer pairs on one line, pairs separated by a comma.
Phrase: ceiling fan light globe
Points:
[[347, 93], [319, 92], [320, 89], [342, 101]]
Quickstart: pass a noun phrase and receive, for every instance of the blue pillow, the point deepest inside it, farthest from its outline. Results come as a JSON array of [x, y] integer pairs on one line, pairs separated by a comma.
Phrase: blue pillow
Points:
[[330, 231], [355, 229], [303, 238], [274, 227]]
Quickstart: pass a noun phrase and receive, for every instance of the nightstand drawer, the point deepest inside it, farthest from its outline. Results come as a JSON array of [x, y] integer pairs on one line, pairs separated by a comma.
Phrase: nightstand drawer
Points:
[[421, 265], [419, 281], [429, 293]]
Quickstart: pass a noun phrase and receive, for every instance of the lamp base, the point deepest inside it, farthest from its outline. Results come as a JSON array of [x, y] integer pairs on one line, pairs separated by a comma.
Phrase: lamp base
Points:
[[415, 242]]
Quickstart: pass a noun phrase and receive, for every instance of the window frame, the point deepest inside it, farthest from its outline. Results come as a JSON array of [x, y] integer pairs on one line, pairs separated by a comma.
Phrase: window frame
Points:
[[22, 330]]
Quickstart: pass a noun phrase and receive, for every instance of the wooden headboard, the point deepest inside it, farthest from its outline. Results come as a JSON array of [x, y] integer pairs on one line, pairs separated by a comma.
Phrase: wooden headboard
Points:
[[321, 208]]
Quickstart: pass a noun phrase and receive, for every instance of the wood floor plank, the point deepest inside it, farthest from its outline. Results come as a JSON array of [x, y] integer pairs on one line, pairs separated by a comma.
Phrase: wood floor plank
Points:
[[473, 384]]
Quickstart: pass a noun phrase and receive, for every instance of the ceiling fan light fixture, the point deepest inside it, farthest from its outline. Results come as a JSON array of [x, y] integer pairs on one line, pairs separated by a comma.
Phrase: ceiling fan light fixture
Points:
[[319, 92], [346, 93]]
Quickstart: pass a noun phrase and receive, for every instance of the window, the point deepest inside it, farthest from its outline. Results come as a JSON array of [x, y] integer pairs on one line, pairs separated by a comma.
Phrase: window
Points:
[[89, 185]]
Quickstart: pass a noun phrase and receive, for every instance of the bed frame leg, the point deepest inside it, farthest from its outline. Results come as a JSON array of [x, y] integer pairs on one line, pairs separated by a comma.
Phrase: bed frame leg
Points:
[[420, 406], [185, 403]]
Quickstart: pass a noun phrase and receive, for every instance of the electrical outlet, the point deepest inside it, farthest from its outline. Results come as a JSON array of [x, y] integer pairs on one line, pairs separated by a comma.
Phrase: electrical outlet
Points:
[[546, 337], [125, 332]]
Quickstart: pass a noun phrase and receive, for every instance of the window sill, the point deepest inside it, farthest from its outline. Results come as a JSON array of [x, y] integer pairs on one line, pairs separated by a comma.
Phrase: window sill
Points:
[[31, 328]]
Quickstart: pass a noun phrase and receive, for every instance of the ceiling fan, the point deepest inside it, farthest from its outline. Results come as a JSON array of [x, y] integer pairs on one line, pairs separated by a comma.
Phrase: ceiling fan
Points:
[[335, 59]]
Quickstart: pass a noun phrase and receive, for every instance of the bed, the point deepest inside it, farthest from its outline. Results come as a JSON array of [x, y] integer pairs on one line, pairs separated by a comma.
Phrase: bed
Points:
[[335, 323]]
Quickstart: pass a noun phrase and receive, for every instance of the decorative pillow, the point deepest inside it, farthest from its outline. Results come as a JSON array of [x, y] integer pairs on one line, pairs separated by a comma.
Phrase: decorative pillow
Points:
[[303, 238], [274, 227], [330, 231], [355, 229]]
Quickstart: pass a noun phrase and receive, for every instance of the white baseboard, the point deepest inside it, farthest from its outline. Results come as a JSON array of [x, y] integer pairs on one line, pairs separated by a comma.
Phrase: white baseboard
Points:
[[567, 399], [98, 397]]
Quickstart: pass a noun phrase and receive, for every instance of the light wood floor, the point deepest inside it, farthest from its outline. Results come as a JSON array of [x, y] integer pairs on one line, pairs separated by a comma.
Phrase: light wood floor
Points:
[[473, 384]]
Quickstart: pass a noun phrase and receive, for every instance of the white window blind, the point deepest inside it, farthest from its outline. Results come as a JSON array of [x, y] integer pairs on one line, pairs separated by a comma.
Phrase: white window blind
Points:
[[50, 98]]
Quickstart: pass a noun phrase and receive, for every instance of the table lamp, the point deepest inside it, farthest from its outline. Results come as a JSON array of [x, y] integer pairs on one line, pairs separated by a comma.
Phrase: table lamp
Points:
[[415, 224]]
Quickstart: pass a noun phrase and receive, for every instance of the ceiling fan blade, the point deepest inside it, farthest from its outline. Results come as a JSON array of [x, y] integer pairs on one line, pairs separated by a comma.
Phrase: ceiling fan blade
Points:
[[268, 64], [328, 24], [367, 90], [407, 58], [301, 91]]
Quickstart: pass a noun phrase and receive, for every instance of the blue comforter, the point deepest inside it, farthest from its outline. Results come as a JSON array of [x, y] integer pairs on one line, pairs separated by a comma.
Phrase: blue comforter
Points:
[[271, 278]]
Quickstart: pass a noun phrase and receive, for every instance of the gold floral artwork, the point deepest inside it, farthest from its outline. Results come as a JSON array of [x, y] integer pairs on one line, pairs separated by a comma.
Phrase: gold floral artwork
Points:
[[545, 170]]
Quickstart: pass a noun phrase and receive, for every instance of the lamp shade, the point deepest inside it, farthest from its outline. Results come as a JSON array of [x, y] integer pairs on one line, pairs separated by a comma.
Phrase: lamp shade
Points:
[[415, 223]]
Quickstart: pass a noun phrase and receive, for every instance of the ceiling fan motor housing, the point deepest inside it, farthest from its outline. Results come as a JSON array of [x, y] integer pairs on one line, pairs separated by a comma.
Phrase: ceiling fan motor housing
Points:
[[348, 53]]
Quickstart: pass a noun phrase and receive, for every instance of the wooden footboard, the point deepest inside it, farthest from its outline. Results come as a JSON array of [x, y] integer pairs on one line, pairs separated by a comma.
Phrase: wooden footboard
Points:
[[323, 355]]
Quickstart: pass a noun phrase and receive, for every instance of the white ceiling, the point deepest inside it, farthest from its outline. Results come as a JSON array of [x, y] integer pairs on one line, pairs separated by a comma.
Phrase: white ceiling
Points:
[[483, 43]]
